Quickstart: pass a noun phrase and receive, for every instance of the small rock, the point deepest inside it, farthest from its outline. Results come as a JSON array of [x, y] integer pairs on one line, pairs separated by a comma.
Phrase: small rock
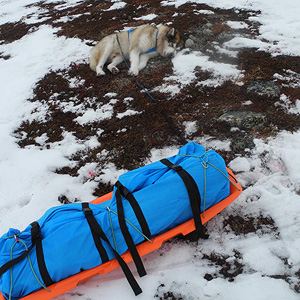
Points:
[[244, 120], [208, 25], [208, 277], [264, 88], [225, 36], [241, 142], [189, 43], [207, 32], [193, 38]]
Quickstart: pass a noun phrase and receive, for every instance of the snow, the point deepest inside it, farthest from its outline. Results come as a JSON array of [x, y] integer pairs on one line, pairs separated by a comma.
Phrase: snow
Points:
[[117, 5], [104, 112], [237, 25], [190, 127], [250, 287], [203, 11], [29, 186], [240, 164], [279, 21], [292, 79], [241, 42], [184, 65], [148, 17], [129, 112], [287, 104]]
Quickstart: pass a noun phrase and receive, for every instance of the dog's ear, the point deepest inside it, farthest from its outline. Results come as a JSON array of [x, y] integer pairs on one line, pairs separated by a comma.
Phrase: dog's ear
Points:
[[171, 32], [174, 37]]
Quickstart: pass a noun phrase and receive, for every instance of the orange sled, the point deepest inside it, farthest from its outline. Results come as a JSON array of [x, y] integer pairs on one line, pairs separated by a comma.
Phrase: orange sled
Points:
[[146, 247]]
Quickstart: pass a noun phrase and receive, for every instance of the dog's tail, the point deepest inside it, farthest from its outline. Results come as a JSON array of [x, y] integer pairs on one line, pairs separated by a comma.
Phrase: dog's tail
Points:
[[94, 59]]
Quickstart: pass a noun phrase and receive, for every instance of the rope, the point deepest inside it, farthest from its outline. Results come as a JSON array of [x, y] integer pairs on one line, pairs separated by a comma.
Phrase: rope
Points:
[[165, 115], [31, 267], [212, 166], [111, 211], [198, 156], [13, 236], [205, 166], [224, 175], [204, 197], [111, 226]]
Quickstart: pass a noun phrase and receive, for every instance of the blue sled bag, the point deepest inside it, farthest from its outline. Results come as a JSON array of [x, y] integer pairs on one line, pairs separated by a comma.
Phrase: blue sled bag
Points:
[[146, 202]]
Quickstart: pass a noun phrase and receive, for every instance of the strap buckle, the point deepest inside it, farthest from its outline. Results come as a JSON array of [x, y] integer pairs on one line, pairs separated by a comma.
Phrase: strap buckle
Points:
[[87, 211], [35, 230], [176, 167], [124, 191]]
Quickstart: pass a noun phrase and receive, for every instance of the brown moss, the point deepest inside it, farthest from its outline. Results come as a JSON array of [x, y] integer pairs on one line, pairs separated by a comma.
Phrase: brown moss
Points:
[[229, 269], [245, 225], [259, 65], [10, 32]]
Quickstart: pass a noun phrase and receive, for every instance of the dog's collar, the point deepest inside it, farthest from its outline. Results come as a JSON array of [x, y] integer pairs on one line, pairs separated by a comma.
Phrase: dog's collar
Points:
[[150, 50]]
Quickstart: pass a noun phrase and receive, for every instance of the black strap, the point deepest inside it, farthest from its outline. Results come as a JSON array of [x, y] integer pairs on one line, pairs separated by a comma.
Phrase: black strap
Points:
[[36, 240], [194, 195], [136, 208], [91, 220], [14, 261], [128, 239], [97, 231]]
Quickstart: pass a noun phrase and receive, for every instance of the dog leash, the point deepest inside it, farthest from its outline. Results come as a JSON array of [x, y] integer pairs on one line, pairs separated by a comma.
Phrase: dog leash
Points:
[[161, 110]]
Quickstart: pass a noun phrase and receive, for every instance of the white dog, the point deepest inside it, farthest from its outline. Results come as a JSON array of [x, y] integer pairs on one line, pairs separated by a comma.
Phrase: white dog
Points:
[[138, 45]]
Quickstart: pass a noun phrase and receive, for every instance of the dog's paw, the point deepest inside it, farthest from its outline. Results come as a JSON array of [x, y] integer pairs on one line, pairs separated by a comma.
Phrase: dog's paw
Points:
[[114, 70], [133, 72], [100, 73]]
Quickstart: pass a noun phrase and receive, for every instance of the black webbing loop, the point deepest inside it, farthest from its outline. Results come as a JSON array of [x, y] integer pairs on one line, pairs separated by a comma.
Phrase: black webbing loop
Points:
[[91, 220], [98, 232], [233, 177], [126, 234], [194, 195], [136, 208], [36, 239]]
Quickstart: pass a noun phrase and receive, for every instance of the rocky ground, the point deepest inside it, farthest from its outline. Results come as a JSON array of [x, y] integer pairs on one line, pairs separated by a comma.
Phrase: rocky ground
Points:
[[252, 105]]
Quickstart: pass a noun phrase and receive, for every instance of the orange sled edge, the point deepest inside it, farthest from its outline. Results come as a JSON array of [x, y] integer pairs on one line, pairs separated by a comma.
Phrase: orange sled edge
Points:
[[71, 282]]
